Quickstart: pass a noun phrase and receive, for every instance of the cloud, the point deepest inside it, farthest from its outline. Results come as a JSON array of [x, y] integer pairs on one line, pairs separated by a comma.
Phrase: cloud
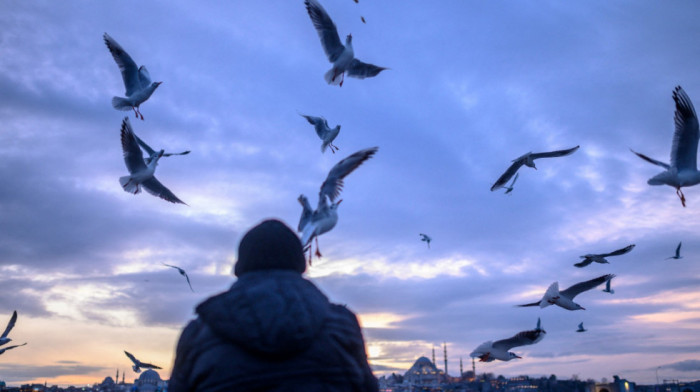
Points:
[[688, 365]]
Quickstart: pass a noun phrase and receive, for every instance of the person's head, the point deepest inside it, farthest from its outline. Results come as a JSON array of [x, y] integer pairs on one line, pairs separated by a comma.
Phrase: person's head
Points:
[[270, 245]]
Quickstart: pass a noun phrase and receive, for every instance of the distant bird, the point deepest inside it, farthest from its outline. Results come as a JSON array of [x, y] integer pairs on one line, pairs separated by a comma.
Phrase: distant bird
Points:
[[11, 324], [580, 328], [141, 174], [342, 57], [528, 160], [683, 170], [136, 79], [607, 288], [138, 364], [153, 153], [678, 252], [2, 351], [313, 223], [182, 272], [600, 258], [426, 238], [565, 298], [362, 18], [509, 189], [324, 132], [489, 351]]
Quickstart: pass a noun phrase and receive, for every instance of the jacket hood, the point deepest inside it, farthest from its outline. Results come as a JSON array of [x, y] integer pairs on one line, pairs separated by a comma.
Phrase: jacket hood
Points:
[[268, 312]]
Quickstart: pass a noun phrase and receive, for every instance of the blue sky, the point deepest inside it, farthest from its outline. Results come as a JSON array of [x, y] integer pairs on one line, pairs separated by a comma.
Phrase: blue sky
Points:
[[471, 86]]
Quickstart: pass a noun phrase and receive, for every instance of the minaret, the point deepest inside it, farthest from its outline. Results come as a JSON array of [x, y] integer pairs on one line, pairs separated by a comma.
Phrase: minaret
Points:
[[461, 369], [123, 375], [116, 380], [444, 346], [474, 368]]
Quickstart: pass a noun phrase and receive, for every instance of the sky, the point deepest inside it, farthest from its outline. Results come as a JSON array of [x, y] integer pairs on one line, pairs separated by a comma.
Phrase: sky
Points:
[[471, 85]]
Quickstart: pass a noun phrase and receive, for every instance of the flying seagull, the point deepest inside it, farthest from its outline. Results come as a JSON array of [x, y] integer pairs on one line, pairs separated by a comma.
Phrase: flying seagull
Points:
[[182, 272], [565, 298], [600, 258], [2, 351], [489, 351], [153, 153], [342, 57], [683, 170], [313, 223], [137, 81], [509, 189], [678, 252], [607, 288], [426, 238], [323, 131], [141, 174], [11, 324], [528, 160], [580, 328], [138, 364]]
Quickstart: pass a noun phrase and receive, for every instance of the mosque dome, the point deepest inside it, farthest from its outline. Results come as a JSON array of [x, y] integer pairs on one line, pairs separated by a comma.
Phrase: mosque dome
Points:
[[149, 377]]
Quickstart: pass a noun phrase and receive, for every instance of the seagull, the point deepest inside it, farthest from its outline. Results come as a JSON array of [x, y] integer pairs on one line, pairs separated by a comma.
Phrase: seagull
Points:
[[676, 256], [528, 160], [424, 237], [600, 258], [138, 364], [324, 131], [565, 299], [2, 351], [509, 189], [580, 328], [607, 288], [136, 79], [141, 174], [182, 272], [153, 153], [683, 170], [490, 351], [11, 324], [362, 18], [342, 57], [314, 223]]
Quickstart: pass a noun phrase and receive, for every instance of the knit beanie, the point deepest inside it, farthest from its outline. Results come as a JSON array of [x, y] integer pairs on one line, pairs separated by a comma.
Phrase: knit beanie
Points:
[[270, 245]]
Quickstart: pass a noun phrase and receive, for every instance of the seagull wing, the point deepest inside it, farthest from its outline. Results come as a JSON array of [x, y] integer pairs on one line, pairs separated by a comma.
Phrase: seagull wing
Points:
[[10, 324], [127, 66], [146, 147], [16, 345], [133, 157], [510, 172], [133, 359], [554, 154], [584, 262], [579, 288], [360, 70], [654, 161], [144, 77], [678, 253], [685, 139], [618, 252], [326, 30], [306, 212], [520, 339], [188, 281], [333, 184], [155, 188], [148, 365]]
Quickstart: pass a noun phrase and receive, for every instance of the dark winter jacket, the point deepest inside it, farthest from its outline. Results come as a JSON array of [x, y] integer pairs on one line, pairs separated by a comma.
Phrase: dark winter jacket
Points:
[[272, 331]]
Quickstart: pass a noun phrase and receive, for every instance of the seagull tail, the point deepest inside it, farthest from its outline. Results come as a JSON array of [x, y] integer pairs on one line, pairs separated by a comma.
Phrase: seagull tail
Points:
[[333, 77], [128, 185], [120, 103]]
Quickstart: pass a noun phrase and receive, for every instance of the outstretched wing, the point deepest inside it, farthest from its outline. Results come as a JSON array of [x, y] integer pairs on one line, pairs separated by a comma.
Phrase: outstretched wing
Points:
[[127, 66], [510, 172], [579, 288], [333, 184], [554, 154], [684, 150], [144, 77], [148, 365], [133, 157], [146, 147], [306, 212], [320, 124], [133, 359], [654, 161], [584, 262], [520, 339], [618, 252], [360, 70], [155, 188], [10, 324], [326, 30], [678, 253]]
